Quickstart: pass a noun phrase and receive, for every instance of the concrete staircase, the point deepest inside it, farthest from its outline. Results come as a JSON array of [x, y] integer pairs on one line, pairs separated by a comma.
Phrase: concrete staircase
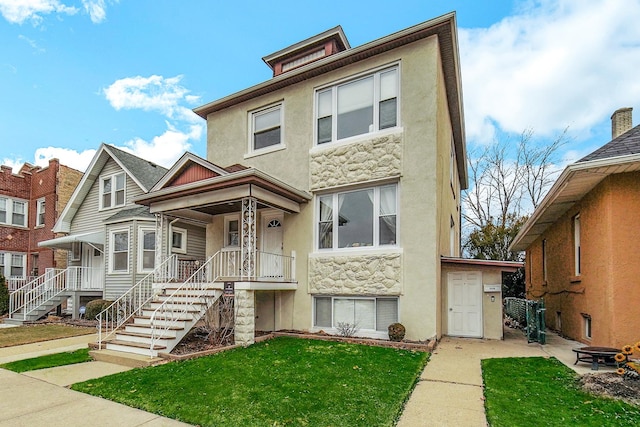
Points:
[[19, 317], [168, 327]]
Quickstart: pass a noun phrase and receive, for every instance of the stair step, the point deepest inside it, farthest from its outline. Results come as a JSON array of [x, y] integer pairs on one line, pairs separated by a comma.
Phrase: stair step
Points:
[[133, 360], [136, 344], [141, 335], [147, 326]]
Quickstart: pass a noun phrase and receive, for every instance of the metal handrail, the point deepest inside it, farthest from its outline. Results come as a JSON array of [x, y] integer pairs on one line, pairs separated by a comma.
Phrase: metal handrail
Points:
[[132, 301], [16, 297], [45, 291], [221, 265]]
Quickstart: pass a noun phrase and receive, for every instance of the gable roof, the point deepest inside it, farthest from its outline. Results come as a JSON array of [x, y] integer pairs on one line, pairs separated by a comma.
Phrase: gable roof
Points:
[[620, 155], [626, 144], [181, 167], [144, 173], [443, 27]]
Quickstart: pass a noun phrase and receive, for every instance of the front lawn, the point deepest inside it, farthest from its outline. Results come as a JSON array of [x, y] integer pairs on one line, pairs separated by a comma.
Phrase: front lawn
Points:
[[36, 333], [49, 361], [536, 391], [281, 382]]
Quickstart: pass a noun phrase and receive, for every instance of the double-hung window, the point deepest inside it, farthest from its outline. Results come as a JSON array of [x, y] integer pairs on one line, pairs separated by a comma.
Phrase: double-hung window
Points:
[[112, 190], [3, 210], [577, 254], [17, 265], [266, 128], [356, 107], [146, 249], [40, 211], [19, 214], [368, 313], [119, 251], [13, 212], [359, 218], [232, 231]]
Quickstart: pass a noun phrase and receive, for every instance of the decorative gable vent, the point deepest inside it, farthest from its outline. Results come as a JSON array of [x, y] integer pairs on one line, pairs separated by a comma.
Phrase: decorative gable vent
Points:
[[307, 51]]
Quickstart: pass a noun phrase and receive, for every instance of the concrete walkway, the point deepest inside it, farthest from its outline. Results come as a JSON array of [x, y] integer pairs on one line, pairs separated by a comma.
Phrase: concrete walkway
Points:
[[37, 398], [450, 391]]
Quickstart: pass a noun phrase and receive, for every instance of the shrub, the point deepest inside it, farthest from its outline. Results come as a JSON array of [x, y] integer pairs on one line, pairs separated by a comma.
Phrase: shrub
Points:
[[346, 329], [4, 296], [396, 331], [94, 307]]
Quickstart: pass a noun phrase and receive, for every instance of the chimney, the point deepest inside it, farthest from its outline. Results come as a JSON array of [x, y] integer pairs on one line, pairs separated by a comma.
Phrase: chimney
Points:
[[620, 122]]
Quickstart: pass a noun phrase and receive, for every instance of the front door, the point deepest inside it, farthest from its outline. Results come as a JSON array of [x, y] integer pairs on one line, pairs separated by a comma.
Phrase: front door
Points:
[[271, 250], [465, 304], [93, 274]]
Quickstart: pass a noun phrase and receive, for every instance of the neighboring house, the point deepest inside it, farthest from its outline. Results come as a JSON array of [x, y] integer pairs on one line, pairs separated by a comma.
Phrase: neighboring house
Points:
[[581, 243], [349, 197], [110, 241], [30, 203]]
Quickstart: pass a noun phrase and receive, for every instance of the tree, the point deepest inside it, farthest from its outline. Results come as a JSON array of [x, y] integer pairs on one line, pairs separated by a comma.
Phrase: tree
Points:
[[507, 182], [4, 296]]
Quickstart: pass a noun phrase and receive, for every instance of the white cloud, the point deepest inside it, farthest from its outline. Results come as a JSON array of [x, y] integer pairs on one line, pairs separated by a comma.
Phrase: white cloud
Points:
[[19, 11], [67, 156], [153, 93], [96, 10], [556, 63], [166, 148]]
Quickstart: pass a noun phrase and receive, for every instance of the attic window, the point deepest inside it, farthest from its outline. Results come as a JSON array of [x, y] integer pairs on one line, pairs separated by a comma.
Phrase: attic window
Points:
[[303, 60]]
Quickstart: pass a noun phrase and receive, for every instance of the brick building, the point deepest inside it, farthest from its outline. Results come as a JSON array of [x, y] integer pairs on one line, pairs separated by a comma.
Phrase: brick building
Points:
[[30, 202]]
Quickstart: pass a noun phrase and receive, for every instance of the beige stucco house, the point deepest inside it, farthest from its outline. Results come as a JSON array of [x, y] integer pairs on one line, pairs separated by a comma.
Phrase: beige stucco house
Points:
[[352, 162]]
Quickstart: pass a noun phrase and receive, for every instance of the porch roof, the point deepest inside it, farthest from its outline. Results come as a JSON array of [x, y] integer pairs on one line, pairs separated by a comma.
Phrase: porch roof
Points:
[[64, 242], [222, 194]]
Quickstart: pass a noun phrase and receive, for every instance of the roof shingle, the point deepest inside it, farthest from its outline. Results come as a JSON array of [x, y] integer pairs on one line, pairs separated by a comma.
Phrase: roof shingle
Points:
[[626, 144]]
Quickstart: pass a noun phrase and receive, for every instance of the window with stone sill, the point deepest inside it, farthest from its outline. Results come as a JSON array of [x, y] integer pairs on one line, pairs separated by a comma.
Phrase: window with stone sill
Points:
[[358, 218]]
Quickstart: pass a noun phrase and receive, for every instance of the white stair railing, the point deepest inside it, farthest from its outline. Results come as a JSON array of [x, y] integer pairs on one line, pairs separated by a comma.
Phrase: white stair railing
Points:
[[52, 286], [174, 308], [16, 297], [132, 301]]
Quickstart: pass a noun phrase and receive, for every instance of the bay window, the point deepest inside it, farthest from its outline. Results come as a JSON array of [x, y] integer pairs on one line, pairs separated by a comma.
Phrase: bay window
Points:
[[119, 258], [147, 250], [357, 107], [358, 218]]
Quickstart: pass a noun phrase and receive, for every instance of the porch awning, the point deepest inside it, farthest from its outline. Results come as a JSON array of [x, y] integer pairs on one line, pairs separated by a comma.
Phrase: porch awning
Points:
[[64, 242]]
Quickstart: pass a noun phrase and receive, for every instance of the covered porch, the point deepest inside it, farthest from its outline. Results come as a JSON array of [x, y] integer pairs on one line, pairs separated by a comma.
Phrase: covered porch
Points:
[[245, 214]]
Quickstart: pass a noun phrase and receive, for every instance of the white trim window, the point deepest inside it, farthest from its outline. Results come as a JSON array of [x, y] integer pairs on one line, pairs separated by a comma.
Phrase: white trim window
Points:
[[576, 245], [119, 251], [146, 249], [364, 313], [178, 240], [359, 106], [358, 218], [112, 190], [587, 326], [13, 212], [266, 129], [40, 212], [232, 231], [17, 265]]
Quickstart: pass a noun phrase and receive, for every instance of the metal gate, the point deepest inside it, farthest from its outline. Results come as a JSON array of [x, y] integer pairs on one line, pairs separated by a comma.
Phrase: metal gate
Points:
[[535, 329], [530, 314]]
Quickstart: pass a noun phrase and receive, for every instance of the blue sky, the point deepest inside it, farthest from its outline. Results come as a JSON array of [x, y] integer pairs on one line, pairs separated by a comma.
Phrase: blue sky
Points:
[[75, 73]]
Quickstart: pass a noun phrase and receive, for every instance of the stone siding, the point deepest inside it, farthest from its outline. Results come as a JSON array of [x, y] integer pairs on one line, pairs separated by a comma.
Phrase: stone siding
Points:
[[356, 275], [244, 317], [364, 161]]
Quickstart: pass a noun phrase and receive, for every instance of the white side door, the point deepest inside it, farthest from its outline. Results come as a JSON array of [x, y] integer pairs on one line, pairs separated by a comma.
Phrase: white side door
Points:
[[271, 248], [465, 304], [93, 261]]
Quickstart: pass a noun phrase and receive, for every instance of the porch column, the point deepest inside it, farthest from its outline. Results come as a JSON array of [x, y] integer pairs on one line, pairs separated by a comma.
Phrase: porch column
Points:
[[159, 227], [248, 237], [244, 319]]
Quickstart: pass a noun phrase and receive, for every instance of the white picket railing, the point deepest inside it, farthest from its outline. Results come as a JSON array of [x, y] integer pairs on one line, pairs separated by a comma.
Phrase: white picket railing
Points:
[[16, 282]]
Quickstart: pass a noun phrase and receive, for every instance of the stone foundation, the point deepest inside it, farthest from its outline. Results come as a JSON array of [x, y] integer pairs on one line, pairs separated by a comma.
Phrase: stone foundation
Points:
[[244, 317]]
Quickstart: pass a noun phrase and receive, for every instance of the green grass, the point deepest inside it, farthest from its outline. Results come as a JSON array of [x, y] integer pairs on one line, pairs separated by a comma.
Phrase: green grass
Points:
[[536, 391], [281, 382], [49, 361], [37, 333]]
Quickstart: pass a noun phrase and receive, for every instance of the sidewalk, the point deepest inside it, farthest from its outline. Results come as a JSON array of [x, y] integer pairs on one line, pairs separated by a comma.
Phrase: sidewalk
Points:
[[450, 391], [37, 398]]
